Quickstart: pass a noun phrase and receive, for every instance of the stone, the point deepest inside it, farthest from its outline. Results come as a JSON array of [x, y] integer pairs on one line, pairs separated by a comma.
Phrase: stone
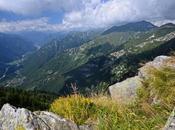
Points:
[[170, 125], [11, 118], [158, 63], [125, 91]]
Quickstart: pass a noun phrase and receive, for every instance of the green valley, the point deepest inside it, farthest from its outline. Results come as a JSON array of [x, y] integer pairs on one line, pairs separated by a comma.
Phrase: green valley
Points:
[[89, 61]]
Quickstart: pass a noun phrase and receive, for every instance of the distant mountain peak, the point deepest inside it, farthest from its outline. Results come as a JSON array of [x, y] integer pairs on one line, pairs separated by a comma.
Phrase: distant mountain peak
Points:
[[168, 25], [135, 27]]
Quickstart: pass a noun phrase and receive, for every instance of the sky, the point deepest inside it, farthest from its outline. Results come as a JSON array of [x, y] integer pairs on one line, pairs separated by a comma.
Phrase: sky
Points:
[[65, 15]]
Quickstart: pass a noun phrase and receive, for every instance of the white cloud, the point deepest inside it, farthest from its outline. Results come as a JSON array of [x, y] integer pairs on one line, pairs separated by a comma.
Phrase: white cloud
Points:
[[40, 24], [120, 11], [162, 22], [35, 7], [85, 14]]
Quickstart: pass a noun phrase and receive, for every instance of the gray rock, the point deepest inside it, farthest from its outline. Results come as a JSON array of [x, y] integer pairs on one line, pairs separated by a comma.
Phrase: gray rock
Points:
[[170, 125], [11, 117], [86, 127], [157, 63], [125, 91]]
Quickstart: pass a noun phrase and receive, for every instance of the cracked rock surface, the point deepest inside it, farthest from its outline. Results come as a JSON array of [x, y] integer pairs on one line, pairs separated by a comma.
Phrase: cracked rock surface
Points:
[[11, 118]]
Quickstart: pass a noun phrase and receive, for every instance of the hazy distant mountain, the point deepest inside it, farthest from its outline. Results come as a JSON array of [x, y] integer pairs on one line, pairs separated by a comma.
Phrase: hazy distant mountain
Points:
[[168, 25], [40, 38], [12, 47], [137, 26]]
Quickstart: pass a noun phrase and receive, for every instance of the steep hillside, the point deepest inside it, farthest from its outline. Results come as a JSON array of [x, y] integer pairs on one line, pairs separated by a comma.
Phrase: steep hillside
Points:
[[56, 46], [107, 58], [56, 67], [123, 63]]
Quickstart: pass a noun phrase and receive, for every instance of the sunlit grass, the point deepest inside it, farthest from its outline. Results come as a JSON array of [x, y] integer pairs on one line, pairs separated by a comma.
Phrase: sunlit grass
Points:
[[19, 127], [151, 109]]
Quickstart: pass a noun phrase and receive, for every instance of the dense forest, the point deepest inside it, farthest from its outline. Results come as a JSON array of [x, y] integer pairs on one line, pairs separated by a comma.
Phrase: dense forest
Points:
[[32, 100]]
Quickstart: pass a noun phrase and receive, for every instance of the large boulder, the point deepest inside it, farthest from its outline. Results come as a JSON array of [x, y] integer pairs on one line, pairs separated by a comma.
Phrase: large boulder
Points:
[[12, 118], [125, 91]]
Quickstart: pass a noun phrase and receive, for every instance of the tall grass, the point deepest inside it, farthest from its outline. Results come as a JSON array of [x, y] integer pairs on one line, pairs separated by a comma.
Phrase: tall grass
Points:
[[75, 107], [150, 111]]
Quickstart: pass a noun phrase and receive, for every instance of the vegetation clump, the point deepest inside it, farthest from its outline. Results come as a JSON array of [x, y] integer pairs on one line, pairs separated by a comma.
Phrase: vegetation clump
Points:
[[75, 107]]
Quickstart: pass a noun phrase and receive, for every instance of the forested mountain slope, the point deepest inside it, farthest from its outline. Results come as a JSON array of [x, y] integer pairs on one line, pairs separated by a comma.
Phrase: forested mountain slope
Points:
[[106, 58]]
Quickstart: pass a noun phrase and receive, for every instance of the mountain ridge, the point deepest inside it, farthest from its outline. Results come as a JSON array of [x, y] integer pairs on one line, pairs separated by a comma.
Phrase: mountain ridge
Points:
[[135, 26]]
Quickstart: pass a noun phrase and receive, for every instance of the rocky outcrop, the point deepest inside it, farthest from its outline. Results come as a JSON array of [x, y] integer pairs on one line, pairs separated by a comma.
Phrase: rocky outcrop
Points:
[[11, 118], [125, 91]]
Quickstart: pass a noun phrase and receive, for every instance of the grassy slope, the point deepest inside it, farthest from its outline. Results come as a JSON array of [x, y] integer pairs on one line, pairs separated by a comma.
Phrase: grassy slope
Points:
[[138, 115]]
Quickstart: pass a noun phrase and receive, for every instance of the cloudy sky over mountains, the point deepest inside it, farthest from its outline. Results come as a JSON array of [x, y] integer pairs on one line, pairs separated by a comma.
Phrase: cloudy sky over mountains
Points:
[[59, 15]]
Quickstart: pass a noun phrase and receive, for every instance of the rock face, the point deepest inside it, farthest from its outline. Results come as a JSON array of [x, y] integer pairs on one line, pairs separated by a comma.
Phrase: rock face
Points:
[[125, 91], [11, 118]]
